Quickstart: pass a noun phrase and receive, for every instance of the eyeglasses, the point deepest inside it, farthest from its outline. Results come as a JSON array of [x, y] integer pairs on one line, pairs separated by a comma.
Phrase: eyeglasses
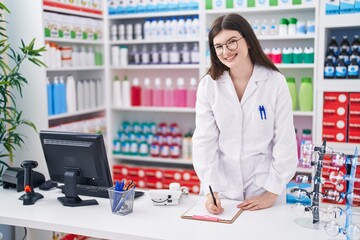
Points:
[[231, 45], [351, 231], [330, 212]]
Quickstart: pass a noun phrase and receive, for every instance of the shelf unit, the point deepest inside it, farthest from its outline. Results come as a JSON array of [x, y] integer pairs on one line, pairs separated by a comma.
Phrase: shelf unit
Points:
[[334, 25], [79, 72]]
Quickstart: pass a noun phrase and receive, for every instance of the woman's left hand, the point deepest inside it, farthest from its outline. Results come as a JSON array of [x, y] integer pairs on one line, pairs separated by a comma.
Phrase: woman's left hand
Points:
[[263, 201]]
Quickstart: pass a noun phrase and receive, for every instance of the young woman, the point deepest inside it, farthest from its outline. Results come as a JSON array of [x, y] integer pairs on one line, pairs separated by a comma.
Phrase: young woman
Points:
[[244, 144]]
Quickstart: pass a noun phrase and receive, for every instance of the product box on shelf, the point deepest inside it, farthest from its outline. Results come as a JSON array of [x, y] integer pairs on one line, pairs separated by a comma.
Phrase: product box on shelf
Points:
[[347, 6], [333, 135], [354, 118], [173, 174], [332, 7]]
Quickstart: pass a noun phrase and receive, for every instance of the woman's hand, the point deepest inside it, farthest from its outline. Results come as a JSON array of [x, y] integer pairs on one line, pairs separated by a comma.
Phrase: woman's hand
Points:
[[210, 206], [263, 201]]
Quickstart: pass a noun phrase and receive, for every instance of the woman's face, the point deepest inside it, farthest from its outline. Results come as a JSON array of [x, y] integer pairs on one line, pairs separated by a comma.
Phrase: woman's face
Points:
[[231, 48]]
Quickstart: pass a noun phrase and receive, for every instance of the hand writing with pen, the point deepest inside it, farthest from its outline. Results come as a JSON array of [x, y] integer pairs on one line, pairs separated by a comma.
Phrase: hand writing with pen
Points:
[[213, 203]]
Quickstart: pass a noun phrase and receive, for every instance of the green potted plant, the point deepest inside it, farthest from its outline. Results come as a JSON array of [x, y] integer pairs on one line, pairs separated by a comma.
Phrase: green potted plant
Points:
[[11, 85]]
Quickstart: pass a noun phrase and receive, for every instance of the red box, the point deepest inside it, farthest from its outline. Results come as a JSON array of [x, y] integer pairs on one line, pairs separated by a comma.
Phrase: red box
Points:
[[340, 98], [335, 110], [334, 123], [332, 135], [189, 175], [173, 174], [139, 181], [193, 186], [157, 173], [154, 183], [354, 130]]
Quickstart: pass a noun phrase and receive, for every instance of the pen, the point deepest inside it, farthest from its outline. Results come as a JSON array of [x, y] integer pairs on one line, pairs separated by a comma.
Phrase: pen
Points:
[[212, 194]]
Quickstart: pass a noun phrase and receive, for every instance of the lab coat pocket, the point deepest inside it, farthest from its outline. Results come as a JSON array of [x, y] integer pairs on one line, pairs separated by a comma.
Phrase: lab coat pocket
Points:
[[262, 123], [262, 168]]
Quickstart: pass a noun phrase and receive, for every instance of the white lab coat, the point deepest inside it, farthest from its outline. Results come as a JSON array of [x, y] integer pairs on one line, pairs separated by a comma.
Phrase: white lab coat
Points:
[[233, 148]]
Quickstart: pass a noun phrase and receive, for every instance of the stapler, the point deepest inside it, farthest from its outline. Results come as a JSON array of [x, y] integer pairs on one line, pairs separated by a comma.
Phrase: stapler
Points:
[[13, 177]]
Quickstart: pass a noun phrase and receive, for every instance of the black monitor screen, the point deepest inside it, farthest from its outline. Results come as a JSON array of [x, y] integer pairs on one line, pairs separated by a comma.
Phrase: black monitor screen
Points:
[[81, 155]]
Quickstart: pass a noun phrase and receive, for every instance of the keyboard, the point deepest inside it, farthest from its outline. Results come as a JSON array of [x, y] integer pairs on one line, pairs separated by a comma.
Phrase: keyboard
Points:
[[95, 191]]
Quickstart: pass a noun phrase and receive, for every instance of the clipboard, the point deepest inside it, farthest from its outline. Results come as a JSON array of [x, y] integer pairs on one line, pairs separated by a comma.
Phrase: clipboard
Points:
[[198, 212]]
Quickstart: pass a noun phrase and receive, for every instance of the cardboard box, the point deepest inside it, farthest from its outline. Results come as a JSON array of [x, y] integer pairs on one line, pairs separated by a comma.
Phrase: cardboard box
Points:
[[347, 6], [332, 7]]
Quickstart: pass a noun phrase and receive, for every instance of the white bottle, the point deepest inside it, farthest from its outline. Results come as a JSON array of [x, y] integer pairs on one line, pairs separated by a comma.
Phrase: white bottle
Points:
[[80, 95], [135, 55], [194, 54], [121, 32], [83, 57], [188, 27], [274, 30], [145, 56], [125, 92], [124, 56], [173, 29], [147, 29], [195, 29], [87, 94], [113, 33], [265, 27], [138, 31], [115, 53], [167, 28], [174, 55], [160, 33], [164, 54], [181, 28], [116, 92], [92, 93], [75, 56], [129, 31], [155, 58], [71, 94], [99, 93], [153, 29], [185, 54], [256, 27], [91, 57]]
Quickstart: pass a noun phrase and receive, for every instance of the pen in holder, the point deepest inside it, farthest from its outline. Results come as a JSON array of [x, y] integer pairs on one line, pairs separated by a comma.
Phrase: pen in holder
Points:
[[121, 202]]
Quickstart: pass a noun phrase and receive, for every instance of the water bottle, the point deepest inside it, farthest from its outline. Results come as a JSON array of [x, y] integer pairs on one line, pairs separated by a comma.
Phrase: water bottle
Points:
[[174, 55], [355, 45], [145, 56], [333, 45], [344, 55], [185, 54], [155, 58], [306, 95], [329, 68], [164, 54], [330, 53], [345, 44], [353, 68], [340, 68]]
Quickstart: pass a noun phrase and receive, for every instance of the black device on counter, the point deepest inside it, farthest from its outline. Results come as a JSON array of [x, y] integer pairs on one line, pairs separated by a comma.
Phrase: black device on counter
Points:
[[76, 158], [13, 177]]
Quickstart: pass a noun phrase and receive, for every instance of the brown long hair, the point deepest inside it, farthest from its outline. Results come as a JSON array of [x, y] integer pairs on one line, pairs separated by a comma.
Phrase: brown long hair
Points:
[[236, 22]]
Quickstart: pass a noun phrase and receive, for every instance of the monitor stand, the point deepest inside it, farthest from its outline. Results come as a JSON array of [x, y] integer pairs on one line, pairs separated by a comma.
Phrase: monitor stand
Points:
[[71, 198]]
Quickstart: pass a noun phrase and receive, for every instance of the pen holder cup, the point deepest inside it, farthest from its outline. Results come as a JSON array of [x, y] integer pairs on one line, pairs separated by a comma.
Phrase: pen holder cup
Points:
[[121, 202]]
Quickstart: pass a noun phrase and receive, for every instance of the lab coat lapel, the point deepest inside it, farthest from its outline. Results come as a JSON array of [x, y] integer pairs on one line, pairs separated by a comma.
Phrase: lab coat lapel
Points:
[[230, 86], [259, 74]]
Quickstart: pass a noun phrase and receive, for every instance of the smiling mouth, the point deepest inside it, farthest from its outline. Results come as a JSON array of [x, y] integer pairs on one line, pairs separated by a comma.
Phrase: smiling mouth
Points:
[[230, 58]]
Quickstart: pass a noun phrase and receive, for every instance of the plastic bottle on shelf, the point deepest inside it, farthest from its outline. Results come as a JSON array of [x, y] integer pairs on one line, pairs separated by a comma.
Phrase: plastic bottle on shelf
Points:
[[194, 54], [265, 29], [169, 93], [155, 57], [91, 57], [355, 54], [185, 54], [116, 88], [345, 44], [125, 92], [147, 93], [83, 57], [355, 45], [63, 98], [340, 68], [158, 93], [276, 56], [50, 97], [145, 56], [86, 94], [174, 54], [134, 57], [160, 33], [344, 55], [306, 94], [283, 27], [147, 29], [71, 94], [164, 54], [305, 157], [353, 68], [113, 32], [195, 27], [180, 93], [308, 55], [329, 68], [92, 93], [99, 92], [135, 93], [333, 45], [173, 30], [75, 57], [256, 27], [121, 30], [181, 28], [167, 28], [293, 92], [138, 31], [274, 29], [191, 93], [188, 27], [80, 95], [292, 26], [298, 56]]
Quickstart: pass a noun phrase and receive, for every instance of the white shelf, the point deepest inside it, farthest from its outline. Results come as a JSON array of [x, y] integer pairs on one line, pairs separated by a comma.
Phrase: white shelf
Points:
[[153, 159], [339, 85], [82, 41], [73, 12], [154, 14], [272, 9], [303, 114], [155, 109], [67, 115], [295, 65], [95, 68], [341, 20], [157, 67], [287, 37], [151, 41]]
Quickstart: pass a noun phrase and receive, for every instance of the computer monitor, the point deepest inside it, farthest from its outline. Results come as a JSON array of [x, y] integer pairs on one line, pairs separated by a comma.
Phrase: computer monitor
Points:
[[76, 158]]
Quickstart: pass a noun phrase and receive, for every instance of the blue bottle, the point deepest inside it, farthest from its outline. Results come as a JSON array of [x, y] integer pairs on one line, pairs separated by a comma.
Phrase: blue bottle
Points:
[[353, 68], [344, 55], [355, 45], [329, 68], [50, 98], [345, 44], [333, 45], [340, 68], [62, 89], [57, 96]]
